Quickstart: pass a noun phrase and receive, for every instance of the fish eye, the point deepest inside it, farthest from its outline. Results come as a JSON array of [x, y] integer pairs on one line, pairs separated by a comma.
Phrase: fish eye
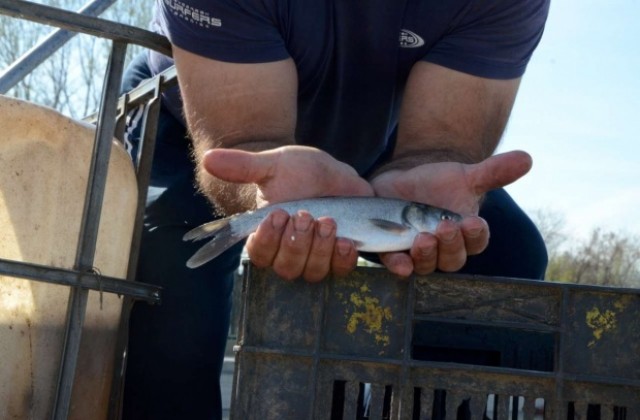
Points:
[[446, 216]]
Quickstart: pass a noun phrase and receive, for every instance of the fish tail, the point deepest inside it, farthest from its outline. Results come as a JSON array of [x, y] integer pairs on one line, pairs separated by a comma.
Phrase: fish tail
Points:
[[224, 234], [206, 230], [223, 239]]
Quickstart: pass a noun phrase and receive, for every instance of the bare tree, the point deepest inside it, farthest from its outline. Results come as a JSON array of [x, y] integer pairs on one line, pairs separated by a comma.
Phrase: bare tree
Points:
[[70, 80], [608, 258], [604, 258], [552, 227]]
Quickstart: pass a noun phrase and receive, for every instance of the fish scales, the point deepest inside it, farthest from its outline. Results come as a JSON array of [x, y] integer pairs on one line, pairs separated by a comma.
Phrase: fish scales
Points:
[[375, 224]]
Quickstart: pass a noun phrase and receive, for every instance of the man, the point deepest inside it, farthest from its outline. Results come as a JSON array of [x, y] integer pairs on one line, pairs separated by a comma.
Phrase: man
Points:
[[294, 99]]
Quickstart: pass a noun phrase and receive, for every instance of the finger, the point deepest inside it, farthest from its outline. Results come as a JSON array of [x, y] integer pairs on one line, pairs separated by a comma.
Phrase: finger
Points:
[[499, 170], [263, 245], [399, 263], [344, 258], [424, 253], [451, 247], [295, 245], [240, 166], [319, 260], [475, 231]]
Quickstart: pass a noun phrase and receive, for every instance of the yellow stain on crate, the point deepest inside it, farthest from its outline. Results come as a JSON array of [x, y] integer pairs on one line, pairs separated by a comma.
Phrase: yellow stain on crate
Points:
[[369, 314], [600, 322], [604, 321]]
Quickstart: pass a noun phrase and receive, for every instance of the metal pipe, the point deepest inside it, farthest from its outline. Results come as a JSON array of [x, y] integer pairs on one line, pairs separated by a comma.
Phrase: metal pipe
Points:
[[24, 65], [90, 25], [86, 280], [89, 228]]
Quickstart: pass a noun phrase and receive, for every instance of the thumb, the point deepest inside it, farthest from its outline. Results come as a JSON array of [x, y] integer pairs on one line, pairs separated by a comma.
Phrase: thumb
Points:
[[499, 170], [239, 166]]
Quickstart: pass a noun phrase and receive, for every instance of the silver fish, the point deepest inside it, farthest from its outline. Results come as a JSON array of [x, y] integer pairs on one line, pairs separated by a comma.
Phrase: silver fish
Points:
[[374, 224]]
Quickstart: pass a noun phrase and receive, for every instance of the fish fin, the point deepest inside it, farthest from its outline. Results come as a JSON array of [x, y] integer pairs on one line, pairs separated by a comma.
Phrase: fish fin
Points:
[[223, 240], [389, 226], [206, 230]]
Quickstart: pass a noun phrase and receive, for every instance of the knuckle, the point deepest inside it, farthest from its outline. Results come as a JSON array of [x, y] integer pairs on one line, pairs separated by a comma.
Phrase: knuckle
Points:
[[424, 269], [260, 262], [321, 252], [315, 275], [342, 267], [287, 273], [295, 251], [424, 255], [259, 259], [454, 263]]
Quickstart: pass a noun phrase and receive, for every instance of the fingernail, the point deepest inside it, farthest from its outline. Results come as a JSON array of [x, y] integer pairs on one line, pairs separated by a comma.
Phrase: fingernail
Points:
[[301, 222], [325, 229], [343, 247], [278, 220]]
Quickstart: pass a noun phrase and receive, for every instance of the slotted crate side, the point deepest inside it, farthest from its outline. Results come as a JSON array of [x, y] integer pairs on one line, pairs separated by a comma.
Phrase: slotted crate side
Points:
[[316, 350]]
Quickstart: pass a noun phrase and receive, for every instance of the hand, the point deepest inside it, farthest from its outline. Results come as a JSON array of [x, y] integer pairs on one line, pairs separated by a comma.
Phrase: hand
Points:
[[293, 245], [457, 187]]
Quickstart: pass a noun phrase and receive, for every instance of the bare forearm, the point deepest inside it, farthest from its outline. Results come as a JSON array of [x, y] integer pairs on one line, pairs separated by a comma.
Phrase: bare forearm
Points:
[[448, 116], [414, 159], [235, 106], [227, 197]]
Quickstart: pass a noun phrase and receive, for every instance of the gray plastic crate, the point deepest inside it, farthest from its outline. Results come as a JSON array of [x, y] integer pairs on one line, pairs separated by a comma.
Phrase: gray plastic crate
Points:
[[435, 347]]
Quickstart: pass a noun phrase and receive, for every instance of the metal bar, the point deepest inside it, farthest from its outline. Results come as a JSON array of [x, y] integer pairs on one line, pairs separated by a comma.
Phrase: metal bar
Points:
[[148, 88], [453, 400], [500, 324], [24, 65], [607, 412], [143, 92], [560, 347], [529, 407], [502, 407], [376, 404], [121, 120], [238, 349], [478, 406], [85, 280], [452, 367], [143, 175], [351, 394], [404, 386], [86, 24], [426, 402], [145, 161], [89, 228], [316, 352], [120, 363], [601, 380]]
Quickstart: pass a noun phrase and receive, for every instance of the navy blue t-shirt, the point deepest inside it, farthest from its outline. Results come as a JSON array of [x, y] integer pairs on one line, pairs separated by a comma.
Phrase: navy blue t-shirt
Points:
[[353, 57]]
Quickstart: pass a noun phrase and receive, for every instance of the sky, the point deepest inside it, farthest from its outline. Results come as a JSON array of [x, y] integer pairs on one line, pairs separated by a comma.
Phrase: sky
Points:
[[578, 114]]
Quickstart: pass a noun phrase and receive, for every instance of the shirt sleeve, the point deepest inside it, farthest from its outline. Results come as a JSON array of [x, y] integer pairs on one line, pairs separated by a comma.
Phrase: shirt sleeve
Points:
[[240, 31], [493, 39]]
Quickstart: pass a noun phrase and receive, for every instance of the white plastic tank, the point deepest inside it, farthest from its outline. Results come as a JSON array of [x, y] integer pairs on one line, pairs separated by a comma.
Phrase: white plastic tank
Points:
[[44, 165]]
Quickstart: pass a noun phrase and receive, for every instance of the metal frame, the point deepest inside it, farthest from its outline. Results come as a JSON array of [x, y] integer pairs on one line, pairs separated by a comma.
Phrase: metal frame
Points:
[[109, 122]]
